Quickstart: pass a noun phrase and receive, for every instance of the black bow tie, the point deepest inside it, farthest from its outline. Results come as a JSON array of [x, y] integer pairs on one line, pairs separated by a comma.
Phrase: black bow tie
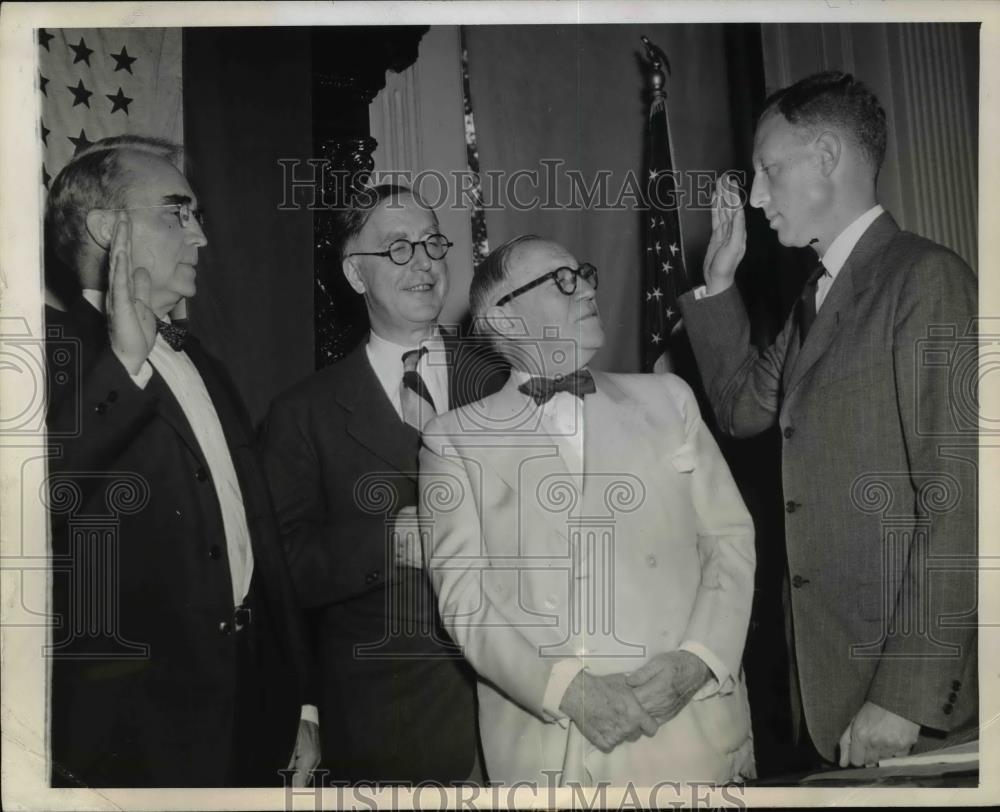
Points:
[[541, 390], [175, 332]]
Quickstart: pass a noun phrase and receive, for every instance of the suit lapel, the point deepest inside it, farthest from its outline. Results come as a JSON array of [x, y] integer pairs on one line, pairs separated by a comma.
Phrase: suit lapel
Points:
[[373, 421], [92, 325], [854, 278], [509, 440]]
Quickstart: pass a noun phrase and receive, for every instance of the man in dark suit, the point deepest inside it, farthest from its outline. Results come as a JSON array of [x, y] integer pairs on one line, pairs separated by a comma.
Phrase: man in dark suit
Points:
[[341, 454], [879, 452], [178, 659]]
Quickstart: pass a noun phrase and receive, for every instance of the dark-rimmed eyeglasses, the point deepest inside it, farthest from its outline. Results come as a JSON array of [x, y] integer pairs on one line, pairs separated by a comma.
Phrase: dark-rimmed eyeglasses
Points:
[[185, 214], [565, 279], [401, 251]]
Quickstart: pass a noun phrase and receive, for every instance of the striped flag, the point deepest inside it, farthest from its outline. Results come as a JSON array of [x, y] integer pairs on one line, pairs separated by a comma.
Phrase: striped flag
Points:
[[665, 275], [98, 82]]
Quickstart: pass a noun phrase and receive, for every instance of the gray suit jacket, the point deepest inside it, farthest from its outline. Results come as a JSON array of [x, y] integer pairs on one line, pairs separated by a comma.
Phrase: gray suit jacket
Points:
[[877, 410]]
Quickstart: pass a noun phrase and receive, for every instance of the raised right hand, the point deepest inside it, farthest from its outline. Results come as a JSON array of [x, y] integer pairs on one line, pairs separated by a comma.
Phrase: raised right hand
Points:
[[131, 321], [606, 711], [729, 236]]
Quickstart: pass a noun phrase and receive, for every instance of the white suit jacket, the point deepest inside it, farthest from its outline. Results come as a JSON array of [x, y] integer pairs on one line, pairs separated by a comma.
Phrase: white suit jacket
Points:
[[534, 563]]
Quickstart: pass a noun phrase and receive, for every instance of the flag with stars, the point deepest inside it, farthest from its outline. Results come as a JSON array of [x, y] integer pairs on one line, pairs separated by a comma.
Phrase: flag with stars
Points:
[[665, 275], [98, 82]]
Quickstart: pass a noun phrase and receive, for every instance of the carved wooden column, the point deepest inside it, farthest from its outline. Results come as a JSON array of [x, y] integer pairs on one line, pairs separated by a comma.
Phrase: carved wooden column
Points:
[[349, 66]]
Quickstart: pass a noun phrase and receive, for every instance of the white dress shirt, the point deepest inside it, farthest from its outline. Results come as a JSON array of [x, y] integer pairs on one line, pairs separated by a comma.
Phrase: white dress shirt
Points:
[[386, 358], [840, 249]]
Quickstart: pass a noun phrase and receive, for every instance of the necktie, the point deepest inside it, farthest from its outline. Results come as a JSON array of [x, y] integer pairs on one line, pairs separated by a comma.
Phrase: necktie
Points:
[[541, 390], [175, 333], [414, 397], [807, 303]]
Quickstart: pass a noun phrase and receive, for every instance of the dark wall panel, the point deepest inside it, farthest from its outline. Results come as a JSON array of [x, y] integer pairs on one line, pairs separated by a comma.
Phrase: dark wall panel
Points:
[[246, 104]]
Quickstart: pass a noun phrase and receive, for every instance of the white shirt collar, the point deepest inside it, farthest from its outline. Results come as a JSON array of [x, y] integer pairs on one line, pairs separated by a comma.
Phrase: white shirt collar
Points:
[[388, 353], [840, 249], [95, 297]]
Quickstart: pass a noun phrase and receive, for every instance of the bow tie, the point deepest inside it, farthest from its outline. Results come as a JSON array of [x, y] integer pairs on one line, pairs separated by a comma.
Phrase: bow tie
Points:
[[175, 332], [541, 390]]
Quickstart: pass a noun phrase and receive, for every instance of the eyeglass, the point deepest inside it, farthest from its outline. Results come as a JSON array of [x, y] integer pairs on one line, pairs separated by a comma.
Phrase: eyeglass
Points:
[[183, 211], [401, 251], [565, 279]]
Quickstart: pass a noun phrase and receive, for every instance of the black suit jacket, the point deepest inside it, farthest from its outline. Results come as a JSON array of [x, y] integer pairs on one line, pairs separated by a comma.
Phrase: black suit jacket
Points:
[[148, 674], [397, 698]]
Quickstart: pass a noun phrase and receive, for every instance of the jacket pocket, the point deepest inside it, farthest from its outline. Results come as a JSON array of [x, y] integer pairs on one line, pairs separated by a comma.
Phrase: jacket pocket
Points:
[[724, 720]]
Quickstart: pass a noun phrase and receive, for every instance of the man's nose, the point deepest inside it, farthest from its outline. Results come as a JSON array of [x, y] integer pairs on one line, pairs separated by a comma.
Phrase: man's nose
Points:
[[758, 192], [585, 288], [421, 260], [197, 238]]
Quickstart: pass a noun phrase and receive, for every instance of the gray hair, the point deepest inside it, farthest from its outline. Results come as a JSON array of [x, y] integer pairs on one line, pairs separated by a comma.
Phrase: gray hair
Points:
[[94, 179]]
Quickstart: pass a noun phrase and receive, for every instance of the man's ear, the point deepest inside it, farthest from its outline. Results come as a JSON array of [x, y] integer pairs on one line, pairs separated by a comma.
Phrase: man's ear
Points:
[[101, 226], [499, 321], [829, 147], [353, 275]]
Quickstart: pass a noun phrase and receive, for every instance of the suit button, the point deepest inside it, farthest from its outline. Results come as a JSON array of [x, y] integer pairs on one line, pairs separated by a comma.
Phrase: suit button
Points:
[[201, 474], [790, 506], [956, 685], [948, 709], [225, 627], [214, 552], [111, 397], [372, 577], [788, 432], [798, 581], [651, 561], [952, 697], [101, 407]]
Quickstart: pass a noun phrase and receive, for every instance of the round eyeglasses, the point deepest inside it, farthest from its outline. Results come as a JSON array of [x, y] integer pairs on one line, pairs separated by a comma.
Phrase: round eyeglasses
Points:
[[565, 279], [401, 251]]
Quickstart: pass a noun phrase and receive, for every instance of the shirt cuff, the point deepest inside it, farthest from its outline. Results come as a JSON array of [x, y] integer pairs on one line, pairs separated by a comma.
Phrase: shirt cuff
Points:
[[141, 378], [562, 674], [700, 292], [310, 713], [721, 681]]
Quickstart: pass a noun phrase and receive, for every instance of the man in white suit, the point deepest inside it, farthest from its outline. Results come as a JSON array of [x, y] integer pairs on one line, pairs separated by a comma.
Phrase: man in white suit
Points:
[[590, 551]]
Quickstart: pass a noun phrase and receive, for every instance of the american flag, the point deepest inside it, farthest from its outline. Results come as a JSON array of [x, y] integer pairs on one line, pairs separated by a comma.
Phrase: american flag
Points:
[[665, 275], [98, 82]]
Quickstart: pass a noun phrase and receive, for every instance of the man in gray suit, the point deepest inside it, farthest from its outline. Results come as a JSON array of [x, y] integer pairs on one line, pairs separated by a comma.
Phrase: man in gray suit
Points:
[[879, 462]]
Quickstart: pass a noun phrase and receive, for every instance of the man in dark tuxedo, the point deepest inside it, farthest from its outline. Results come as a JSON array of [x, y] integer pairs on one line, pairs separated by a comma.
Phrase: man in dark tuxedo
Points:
[[341, 455], [879, 454], [178, 658]]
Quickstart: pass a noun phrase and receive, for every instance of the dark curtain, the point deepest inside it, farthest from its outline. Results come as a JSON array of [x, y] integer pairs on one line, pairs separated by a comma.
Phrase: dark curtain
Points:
[[247, 103]]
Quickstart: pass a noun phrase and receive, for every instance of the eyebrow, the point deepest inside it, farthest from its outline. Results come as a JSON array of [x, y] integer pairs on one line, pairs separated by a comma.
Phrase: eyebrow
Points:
[[178, 199], [399, 234]]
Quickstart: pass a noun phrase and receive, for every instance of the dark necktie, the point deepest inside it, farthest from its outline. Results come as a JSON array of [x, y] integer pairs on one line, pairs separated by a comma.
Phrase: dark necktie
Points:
[[541, 390], [175, 333], [415, 399], [807, 303]]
